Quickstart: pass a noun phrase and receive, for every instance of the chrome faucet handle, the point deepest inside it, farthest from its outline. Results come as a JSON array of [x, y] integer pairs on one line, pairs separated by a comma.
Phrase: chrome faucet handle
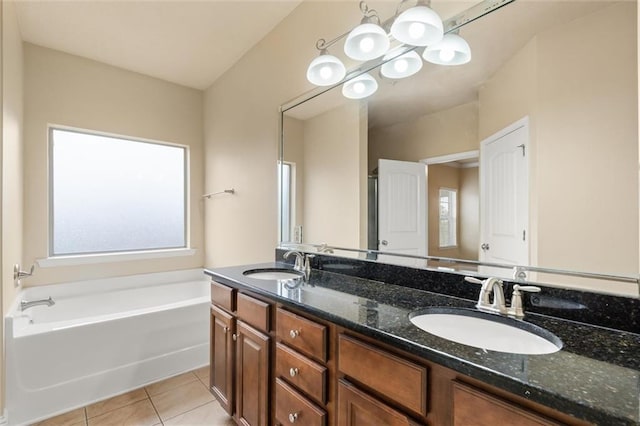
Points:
[[516, 309], [19, 274], [473, 280], [307, 263]]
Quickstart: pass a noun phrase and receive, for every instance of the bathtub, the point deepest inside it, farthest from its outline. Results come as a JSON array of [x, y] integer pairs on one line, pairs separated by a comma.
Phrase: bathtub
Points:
[[102, 338]]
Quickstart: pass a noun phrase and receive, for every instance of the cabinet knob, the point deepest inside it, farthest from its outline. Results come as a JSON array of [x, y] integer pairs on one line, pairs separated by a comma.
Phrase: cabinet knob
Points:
[[226, 330], [293, 372], [293, 417], [294, 333], [234, 336]]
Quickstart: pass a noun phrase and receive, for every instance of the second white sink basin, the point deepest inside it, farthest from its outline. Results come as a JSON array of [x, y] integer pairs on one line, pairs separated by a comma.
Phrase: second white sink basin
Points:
[[273, 274], [486, 331]]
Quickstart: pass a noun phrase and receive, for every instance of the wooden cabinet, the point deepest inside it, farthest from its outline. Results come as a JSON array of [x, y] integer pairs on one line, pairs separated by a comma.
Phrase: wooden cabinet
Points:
[[240, 366], [472, 406], [252, 376], [222, 357], [356, 408], [294, 369]]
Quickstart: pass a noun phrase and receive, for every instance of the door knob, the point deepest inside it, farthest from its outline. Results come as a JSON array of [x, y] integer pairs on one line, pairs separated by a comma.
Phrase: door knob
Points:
[[485, 246], [384, 242]]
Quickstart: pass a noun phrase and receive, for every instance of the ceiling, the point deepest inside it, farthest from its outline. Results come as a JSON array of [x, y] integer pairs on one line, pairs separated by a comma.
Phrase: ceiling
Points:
[[191, 43]]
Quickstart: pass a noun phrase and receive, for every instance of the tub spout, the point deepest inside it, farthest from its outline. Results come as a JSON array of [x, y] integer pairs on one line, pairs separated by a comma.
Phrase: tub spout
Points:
[[29, 304]]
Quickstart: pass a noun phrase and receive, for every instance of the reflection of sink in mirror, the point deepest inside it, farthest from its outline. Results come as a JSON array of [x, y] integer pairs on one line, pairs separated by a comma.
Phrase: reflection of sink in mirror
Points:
[[273, 274], [486, 331]]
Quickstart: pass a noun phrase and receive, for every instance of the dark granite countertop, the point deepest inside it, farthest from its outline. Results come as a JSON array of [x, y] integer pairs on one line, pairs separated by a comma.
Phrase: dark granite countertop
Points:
[[595, 376]]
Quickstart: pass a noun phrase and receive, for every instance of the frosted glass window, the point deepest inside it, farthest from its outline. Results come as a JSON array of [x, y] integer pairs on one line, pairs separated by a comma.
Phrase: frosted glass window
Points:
[[110, 194]]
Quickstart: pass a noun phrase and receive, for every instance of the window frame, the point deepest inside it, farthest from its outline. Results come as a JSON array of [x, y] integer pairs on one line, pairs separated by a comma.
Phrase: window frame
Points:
[[115, 255]]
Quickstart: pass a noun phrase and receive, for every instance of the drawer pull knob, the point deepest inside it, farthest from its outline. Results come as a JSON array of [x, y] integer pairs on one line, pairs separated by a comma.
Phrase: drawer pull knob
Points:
[[234, 336], [293, 417], [226, 330], [293, 372], [294, 333]]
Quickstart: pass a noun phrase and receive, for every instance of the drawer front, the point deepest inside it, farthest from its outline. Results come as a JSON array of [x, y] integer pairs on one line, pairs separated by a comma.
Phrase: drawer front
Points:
[[305, 335], [308, 376], [473, 406], [223, 296], [293, 408], [397, 379], [356, 408], [254, 312]]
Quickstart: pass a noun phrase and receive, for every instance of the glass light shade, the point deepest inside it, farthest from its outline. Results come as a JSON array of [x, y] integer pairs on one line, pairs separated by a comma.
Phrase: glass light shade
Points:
[[366, 41], [326, 70], [403, 66], [360, 87], [418, 26], [452, 50]]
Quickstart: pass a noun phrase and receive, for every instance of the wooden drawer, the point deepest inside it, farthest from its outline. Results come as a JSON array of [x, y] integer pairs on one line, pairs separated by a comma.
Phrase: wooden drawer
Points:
[[308, 376], [302, 334], [223, 296], [291, 407], [356, 408], [400, 380], [473, 406], [254, 312]]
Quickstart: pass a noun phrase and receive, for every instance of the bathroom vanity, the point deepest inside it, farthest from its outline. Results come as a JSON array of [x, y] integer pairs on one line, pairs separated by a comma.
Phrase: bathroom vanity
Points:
[[339, 349]]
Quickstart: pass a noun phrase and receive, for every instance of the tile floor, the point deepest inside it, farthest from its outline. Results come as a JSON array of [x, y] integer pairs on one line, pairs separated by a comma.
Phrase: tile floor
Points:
[[182, 400]]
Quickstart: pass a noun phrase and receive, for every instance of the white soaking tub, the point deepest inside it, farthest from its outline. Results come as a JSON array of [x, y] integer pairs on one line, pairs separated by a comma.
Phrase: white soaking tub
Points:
[[102, 338]]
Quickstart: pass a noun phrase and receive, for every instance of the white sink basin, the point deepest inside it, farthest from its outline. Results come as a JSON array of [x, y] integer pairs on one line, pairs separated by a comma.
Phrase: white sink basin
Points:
[[486, 331], [273, 274]]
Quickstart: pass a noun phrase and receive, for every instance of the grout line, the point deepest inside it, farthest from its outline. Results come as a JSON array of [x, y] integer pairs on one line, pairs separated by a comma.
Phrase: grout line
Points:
[[86, 416], [191, 409], [154, 406]]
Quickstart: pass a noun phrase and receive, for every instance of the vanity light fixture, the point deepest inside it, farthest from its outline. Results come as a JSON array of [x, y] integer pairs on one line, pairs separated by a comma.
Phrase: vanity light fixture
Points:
[[360, 87], [403, 66], [368, 40], [452, 50], [418, 26], [326, 69]]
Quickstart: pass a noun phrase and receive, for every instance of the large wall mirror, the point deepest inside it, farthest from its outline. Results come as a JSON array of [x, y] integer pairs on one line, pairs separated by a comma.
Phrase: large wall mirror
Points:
[[527, 155]]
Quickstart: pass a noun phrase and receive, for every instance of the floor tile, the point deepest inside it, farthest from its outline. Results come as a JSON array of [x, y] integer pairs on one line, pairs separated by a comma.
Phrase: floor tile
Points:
[[205, 381], [202, 372], [139, 413], [67, 419], [119, 401], [171, 383], [210, 414], [181, 399]]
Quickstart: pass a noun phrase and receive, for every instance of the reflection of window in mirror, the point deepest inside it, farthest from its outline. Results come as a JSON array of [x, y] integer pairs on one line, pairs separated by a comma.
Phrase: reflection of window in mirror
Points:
[[287, 201], [448, 208]]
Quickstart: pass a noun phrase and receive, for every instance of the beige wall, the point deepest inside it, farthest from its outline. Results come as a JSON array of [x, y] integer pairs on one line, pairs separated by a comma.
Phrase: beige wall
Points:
[[584, 140], [12, 150], [444, 132], [334, 150], [241, 131], [294, 153], [68, 90]]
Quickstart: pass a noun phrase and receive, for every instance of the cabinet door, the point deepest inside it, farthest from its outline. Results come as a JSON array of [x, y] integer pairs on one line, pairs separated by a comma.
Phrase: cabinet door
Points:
[[222, 357], [252, 376], [356, 408], [475, 407]]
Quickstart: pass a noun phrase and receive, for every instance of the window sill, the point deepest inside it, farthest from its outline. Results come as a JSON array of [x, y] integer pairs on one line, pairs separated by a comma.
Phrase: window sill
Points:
[[88, 259]]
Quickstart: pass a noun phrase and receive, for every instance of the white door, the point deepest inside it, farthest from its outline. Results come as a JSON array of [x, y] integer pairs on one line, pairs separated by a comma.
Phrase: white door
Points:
[[402, 208], [504, 200]]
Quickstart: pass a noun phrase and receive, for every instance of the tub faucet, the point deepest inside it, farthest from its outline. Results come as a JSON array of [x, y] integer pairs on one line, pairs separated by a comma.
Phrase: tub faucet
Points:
[[29, 304]]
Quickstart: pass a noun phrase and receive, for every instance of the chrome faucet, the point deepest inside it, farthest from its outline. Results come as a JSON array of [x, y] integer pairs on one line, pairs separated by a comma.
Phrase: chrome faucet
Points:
[[499, 305], [303, 263], [26, 304]]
